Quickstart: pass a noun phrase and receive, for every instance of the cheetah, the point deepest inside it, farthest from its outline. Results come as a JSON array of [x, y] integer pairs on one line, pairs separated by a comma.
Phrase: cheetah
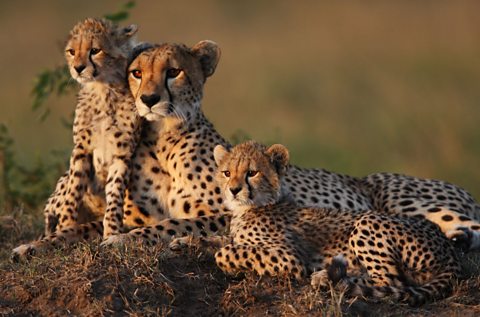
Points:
[[449, 206], [178, 170], [172, 168], [173, 191], [105, 133], [176, 177], [388, 254]]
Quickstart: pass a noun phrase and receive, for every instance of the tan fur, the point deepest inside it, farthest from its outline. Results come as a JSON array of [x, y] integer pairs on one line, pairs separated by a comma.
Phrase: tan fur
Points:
[[252, 164], [102, 48], [105, 134]]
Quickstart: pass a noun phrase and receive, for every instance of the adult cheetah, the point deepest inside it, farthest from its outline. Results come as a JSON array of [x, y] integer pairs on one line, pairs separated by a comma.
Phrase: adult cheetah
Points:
[[167, 83], [405, 257]]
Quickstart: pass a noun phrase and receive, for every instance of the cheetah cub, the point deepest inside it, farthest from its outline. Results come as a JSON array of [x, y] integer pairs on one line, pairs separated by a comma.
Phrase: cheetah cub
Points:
[[386, 255], [105, 132]]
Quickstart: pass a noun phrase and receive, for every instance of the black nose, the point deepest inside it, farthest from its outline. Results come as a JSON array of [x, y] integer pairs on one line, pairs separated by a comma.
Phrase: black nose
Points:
[[79, 68], [150, 100], [235, 190]]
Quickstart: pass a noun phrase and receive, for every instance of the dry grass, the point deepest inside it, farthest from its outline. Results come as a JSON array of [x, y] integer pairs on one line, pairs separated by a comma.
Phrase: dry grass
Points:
[[139, 280]]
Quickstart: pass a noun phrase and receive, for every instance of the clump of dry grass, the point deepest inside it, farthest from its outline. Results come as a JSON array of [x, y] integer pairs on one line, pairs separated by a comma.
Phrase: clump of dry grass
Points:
[[140, 280], [91, 280]]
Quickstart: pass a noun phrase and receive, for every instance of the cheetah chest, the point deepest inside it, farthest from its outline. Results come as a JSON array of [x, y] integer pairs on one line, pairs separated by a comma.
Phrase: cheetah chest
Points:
[[103, 144]]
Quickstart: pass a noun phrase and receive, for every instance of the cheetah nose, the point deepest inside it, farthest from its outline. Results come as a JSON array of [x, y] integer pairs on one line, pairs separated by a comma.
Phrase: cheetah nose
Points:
[[150, 100], [235, 190], [79, 68]]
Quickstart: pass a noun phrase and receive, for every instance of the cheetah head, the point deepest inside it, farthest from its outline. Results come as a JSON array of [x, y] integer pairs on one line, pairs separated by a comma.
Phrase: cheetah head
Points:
[[98, 50], [250, 173], [167, 80]]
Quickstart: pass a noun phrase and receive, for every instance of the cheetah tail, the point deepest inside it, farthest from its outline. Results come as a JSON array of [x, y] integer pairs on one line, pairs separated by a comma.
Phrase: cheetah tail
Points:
[[437, 288], [337, 270]]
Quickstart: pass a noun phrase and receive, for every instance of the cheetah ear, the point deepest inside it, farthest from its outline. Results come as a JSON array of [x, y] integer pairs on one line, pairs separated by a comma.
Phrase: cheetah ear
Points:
[[125, 34], [138, 49], [129, 31], [208, 54], [219, 153], [279, 157]]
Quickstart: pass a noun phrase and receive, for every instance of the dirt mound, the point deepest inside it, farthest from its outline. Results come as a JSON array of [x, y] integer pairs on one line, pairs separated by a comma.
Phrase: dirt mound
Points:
[[139, 280]]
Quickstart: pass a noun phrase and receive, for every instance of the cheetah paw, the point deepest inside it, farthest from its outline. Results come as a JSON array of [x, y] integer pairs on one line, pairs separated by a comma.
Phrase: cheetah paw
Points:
[[214, 242], [117, 239], [178, 244], [464, 239], [475, 241], [320, 279], [23, 252]]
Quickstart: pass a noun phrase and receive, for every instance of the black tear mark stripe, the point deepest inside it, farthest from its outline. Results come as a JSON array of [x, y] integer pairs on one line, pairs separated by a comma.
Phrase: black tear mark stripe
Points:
[[95, 71], [249, 188], [170, 97]]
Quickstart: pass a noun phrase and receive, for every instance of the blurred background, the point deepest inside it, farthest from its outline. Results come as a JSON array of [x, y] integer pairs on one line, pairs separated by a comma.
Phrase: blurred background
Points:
[[353, 87]]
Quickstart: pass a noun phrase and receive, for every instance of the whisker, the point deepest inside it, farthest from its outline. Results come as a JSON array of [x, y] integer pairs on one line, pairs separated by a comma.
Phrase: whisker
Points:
[[176, 112], [71, 81], [177, 115], [184, 117]]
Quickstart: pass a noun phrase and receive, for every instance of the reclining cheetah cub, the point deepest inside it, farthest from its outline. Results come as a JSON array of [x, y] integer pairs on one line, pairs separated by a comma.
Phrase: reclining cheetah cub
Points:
[[273, 236], [105, 133]]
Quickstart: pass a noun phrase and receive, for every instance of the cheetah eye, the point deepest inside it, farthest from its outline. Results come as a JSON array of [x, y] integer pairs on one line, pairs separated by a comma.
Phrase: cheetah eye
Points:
[[136, 73], [95, 51], [226, 173], [252, 173], [173, 72], [71, 51]]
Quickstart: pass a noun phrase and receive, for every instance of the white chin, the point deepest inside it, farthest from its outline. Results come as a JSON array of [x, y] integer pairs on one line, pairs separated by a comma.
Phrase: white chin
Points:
[[152, 116], [235, 204], [83, 80], [80, 80]]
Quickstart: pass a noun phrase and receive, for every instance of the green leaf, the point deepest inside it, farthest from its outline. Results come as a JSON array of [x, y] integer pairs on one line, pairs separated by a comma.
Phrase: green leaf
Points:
[[117, 17], [44, 115], [129, 5], [122, 14], [48, 82]]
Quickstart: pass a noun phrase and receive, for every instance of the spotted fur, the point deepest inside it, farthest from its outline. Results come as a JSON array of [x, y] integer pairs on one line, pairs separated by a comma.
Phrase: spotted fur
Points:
[[105, 134], [174, 171], [167, 83], [402, 256], [173, 168]]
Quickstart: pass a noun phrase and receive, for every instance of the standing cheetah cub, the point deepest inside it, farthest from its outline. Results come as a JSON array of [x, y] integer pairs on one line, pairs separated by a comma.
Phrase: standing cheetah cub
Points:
[[105, 133], [405, 257]]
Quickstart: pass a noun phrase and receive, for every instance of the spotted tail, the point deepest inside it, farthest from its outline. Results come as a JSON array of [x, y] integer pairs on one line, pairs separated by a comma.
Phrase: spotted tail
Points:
[[437, 288]]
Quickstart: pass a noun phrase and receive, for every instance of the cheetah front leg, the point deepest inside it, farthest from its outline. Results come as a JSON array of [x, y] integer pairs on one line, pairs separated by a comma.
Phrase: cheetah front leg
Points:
[[80, 166], [168, 229], [214, 242], [55, 201], [274, 261], [65, 237], [115, 193]]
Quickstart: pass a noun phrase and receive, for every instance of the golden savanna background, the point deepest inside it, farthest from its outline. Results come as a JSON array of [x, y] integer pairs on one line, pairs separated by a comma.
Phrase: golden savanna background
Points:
[[353, 87]]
